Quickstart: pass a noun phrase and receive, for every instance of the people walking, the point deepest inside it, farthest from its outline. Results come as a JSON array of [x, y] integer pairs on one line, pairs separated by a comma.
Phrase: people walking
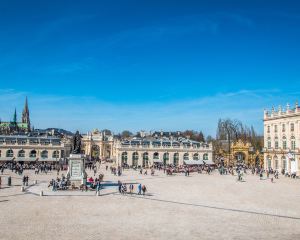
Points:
[[140, 189], [131, 188], [144, 189], [98, 188]]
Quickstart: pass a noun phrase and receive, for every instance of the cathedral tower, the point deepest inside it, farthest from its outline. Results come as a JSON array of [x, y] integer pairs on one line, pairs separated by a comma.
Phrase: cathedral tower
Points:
[[25, 115]]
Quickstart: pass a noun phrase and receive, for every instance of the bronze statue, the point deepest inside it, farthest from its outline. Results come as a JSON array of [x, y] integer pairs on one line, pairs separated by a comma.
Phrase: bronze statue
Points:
[[76, 148]]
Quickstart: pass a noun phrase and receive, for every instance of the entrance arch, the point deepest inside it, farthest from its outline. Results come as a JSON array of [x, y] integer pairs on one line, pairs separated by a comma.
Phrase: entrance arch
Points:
[[240, 157], [95, 152]]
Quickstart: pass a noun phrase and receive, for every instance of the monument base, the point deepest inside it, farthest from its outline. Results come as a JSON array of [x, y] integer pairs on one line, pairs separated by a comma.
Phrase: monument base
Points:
[[76, 170]]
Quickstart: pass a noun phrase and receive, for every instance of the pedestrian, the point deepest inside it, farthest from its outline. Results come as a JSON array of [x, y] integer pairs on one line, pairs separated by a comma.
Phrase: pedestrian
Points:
[[261, 175], [140, 189], [131, 188], [120, 186], [24, 180], [98, 187], [144, 189], [27, 180]]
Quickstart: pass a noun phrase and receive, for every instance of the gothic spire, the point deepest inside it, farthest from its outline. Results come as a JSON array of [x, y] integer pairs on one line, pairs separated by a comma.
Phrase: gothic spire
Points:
[[15, 117], [25, 115]]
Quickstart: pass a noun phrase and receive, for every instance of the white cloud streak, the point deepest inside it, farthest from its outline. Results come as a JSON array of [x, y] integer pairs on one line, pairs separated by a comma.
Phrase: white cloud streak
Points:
[[86, 113]]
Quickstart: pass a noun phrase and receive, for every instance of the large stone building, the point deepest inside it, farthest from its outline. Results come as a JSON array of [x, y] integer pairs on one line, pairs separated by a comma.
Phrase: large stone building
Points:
[[98, 145], [149, 151], [282, 139], [29, 149], [13, 127]]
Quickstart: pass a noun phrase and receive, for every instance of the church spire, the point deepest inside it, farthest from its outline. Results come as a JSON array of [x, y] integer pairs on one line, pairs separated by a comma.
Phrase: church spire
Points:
[[15, 117], [25, 115]]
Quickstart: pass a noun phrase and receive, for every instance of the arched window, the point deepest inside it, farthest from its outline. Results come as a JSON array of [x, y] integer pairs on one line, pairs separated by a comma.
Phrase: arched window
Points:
[[124, 158], [293, 143], [284, 163], [166, 158], [276, 162], [21, 154], [186, 157], [156, 155], [9, 153], [135, 159], [284, 144], [269, 162], [145, 159], [176, 159], [55, 154], [32, 154], [44, 154], [205, 157], [269, 143], [196, 157]]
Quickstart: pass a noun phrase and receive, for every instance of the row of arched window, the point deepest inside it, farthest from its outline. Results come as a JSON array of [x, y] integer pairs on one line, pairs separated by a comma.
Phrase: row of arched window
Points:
[[276, 162], [156, 156], [32, 154], [284, 143]]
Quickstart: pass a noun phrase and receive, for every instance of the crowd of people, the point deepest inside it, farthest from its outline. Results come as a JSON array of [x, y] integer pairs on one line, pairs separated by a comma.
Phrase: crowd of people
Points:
[[63, 183]]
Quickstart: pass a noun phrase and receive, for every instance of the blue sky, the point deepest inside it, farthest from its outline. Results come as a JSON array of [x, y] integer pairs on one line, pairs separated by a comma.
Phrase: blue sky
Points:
[[134, 65]]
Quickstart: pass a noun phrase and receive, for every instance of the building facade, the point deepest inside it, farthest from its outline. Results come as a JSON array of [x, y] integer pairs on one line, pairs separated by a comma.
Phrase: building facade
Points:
[[282, 139], [145, 152], [97, 145], [27, 149]]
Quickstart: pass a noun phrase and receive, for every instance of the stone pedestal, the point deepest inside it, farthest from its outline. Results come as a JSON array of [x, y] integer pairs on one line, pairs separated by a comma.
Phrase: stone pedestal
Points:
[[76, 169]]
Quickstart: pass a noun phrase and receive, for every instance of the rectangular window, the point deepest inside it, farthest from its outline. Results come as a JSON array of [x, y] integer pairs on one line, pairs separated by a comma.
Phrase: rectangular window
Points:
[[269, 145], [268, 129], [283, 127], [276, 128], [276, 145], [292, 127]]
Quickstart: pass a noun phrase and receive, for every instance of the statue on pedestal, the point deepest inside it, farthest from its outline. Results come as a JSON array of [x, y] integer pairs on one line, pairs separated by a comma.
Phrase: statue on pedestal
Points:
[[76, 143]]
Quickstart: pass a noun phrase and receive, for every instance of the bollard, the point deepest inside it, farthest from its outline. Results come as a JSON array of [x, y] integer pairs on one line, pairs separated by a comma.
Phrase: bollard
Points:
[[35, 182], [41, 193], [22, 189]]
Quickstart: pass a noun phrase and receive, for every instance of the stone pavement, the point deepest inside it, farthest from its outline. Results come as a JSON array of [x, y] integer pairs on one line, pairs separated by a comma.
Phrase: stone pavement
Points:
[[177, 207]]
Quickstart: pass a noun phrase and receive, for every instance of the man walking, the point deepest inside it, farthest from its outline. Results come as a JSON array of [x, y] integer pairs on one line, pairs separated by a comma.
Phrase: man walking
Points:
[[140, 189]]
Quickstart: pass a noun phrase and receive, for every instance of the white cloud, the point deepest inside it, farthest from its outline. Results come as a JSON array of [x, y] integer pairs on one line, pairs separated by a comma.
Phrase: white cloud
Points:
[[86, 113]]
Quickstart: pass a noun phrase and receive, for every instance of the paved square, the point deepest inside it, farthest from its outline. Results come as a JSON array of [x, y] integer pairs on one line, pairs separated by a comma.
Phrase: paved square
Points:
[[176, 207]]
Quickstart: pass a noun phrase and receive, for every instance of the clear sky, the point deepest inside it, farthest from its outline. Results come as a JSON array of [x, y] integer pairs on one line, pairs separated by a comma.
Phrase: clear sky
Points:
[[135, 65]]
